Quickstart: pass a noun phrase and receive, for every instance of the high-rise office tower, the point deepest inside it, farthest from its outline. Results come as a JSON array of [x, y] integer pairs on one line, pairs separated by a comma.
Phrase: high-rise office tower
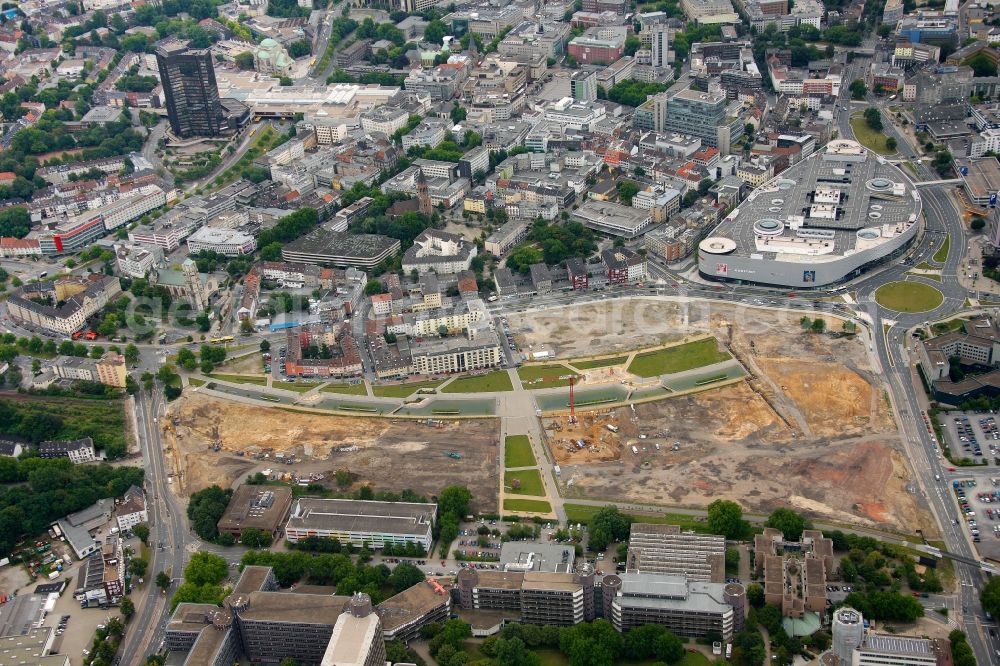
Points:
[[189, 88], [660, 45]]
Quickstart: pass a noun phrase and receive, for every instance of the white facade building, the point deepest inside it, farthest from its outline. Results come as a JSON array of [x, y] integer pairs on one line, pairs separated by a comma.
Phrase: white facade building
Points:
[[229, 242]]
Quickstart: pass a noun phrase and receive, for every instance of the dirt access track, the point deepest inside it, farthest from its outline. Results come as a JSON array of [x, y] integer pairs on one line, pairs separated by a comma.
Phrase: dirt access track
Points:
[[811, 429], [390, 454]]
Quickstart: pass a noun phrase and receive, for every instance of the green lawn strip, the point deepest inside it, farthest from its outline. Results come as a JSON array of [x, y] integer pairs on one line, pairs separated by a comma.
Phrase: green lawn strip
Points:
[[531, 482], [679, 358], [948, 326], [194, 381], [869, 137], [403, 390], [239, 379], [345, 389], [924, 266], [599, 363], [529, 373], [930, 276], [298, 387], [941, 255], [517, 452], [534, 506], [491, 382], [908, 297]]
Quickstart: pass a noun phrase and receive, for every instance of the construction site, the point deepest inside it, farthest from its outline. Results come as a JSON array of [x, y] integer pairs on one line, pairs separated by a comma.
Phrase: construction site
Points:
[[209, 440], [810, 428]]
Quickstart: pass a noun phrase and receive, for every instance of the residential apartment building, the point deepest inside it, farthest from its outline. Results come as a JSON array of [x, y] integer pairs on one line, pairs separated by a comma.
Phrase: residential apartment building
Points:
[[664, 549], [74, 300], [478, 349], [623, 265], [79, 451], [131, 510], [361, 522]]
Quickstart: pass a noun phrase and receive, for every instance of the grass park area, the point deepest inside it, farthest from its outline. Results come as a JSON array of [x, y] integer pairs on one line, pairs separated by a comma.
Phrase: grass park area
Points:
[[530, 479], [491, 382], [582, 513], [240, 379], [533, 506], [943, 327], [544, 376], [908, 297], [678, 358], [345, 389], [599, 363], [517, 452], [868, 137], [404, 390], [941, 255]]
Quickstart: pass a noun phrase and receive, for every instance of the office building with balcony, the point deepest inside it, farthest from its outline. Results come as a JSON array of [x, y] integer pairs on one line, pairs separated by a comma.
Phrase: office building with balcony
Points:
[[361, 522], [698, 114], [664, 549]]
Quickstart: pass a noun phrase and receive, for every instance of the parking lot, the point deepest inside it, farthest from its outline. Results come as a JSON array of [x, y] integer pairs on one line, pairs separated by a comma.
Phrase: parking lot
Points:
[[979, 507], [972, 435]]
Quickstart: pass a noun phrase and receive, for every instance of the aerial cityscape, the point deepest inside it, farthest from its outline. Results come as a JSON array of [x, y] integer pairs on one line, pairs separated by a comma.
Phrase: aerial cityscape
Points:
[[499, 332]]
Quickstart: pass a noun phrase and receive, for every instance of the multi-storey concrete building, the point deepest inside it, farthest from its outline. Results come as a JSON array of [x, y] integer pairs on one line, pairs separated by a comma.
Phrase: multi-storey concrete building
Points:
[[698, 114], [230, 242], [664, 549], [361, 522], [190, 90], [478, 349], [685, 608], [506, 237], [135, 261], [440, 252], [794, 573]]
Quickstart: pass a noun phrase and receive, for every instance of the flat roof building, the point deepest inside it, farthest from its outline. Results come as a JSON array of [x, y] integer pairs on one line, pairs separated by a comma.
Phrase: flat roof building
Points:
[[321, 246], [256, 507], [612, 218], [362, 522], [664, 549], [826, 219]]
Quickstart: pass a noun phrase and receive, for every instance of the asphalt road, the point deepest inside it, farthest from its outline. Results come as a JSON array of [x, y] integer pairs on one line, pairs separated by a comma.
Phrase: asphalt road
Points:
[[169, 537]]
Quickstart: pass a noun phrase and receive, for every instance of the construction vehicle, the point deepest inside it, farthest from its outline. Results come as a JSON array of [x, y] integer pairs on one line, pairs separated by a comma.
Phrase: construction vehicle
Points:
[[452, 454]]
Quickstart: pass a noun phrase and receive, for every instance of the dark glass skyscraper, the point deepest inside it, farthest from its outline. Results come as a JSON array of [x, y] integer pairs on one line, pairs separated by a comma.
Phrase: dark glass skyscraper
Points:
[[189, 88]]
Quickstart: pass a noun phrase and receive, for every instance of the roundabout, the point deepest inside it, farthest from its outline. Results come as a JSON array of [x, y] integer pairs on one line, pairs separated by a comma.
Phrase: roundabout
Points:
[[908, 297]]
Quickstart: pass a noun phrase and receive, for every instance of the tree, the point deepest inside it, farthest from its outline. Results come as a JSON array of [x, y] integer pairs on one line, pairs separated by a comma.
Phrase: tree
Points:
[[142, 531], [990, 597], [593, 644], [206, 569], [435, 31], [205, 508], [405, 576], [127, 608], [163, 580], [513, 652], [373, 287], [608, 525], [788, 522], [300, 48], [454, 500], [977, 224], [15, 221], [265, 346], [755, 595], [890, 143], [858, 89], [254, 538], [726, 518], [626, 190], [137, 566], [131, 354], [818, 325]]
